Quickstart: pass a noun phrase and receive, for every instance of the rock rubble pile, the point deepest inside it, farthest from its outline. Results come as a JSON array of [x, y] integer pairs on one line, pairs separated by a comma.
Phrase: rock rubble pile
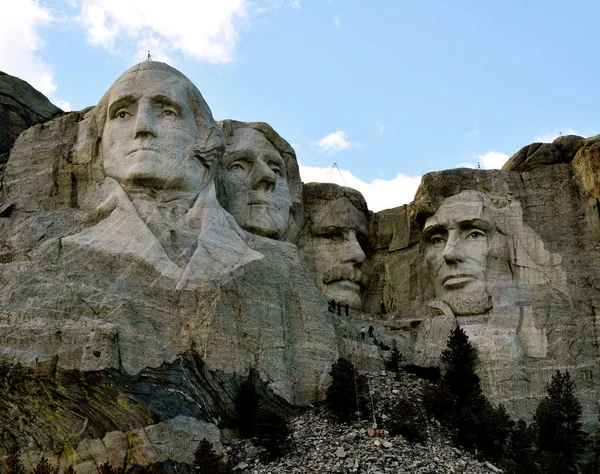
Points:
[[321, 445]]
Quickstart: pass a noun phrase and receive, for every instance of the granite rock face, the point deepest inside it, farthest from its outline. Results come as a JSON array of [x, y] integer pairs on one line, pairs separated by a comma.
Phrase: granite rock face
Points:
[[21, 106], [118, 260], [512, 257], [133, 306]]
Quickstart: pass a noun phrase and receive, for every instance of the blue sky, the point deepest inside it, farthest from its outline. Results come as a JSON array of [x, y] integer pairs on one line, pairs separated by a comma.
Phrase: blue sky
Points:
[[387, 90]]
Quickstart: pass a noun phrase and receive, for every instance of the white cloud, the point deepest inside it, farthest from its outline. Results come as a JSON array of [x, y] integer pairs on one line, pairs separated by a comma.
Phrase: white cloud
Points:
[[380, 128], [20, 43], [297, 4], [205, 30], [336, 21], [379, 193], [551, 136], [336, 141]]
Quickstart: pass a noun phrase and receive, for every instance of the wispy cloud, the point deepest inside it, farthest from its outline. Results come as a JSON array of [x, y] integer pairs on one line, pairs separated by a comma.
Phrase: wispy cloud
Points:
[[472, 133], [337, 21], [379, 193], [206, 31], [336, 141], [380, 128], [21, 44], [551, 136], [492, 160], [297, 4]]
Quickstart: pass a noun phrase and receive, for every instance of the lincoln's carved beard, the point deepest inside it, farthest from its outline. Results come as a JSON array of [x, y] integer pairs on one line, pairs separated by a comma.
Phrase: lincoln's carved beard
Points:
[[469, 302]]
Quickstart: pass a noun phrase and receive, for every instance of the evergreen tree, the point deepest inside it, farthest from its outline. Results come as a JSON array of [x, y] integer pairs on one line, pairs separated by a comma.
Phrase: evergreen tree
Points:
[[13, 464], [271, 430], [246, 406], [458, 401], [347, 392], [408, 420], [69, 470], [207, 461], [44, 467], [521, 449], [557, 419]]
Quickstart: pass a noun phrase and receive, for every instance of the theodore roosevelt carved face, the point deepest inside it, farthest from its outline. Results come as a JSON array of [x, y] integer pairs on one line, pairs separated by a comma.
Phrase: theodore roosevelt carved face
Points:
[[157, 131], [334, 240], [458, 240]]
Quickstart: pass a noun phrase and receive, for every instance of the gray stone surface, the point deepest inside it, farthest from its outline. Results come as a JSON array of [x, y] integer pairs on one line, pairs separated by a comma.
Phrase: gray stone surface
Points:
[[117, 259], [21, 106], [334, 241], [133, 305], [510, 257], [258, 180]]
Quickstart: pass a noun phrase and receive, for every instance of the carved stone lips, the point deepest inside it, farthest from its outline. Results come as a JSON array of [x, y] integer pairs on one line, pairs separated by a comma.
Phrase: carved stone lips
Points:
[[457, 280]]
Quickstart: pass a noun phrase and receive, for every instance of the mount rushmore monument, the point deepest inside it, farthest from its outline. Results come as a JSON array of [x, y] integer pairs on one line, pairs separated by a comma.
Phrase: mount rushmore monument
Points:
[[153, 259]]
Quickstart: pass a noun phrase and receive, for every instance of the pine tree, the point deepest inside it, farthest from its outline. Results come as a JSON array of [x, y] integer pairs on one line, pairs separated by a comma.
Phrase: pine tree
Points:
[[69, 470], [460, 361], [347, 392], [271, 430], [207, 461], [246, 406], [458, 401], [44, 467], [13, 464], [557, 419]]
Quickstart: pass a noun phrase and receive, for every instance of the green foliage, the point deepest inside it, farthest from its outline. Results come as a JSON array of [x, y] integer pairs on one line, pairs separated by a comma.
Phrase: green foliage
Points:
[[348, 391], [457, 401], [557, 420], [44, 467], [13, 464], [521, 450], [207, 461], [408, 420], [271, 431], [246, 406]]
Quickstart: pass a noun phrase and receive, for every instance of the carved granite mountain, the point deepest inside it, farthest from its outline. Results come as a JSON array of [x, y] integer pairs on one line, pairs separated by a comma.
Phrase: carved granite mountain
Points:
[[133, 305]]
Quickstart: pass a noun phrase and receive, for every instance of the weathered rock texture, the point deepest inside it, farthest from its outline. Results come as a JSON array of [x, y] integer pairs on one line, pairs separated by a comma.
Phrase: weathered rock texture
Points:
[[91, 284], [21, 106], [527, 298], [133, 306]]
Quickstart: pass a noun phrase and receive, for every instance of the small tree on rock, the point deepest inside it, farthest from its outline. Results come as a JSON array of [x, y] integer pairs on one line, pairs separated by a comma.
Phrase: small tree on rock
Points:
[[557, 420], [347, 392], [271, 430], [44, 467], [13, 464], [207, 461]]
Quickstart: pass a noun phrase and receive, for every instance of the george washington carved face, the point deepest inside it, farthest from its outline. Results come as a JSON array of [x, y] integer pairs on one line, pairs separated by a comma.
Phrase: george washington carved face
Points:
[[155, 129]]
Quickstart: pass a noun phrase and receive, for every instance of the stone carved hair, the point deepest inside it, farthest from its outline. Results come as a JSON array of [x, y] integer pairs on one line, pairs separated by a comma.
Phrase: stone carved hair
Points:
[[209, 143], [316, 193], [230, 128]]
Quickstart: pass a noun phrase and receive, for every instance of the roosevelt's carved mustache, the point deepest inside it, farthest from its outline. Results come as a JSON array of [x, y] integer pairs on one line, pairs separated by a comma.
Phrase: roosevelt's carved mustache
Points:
[[345, 273]]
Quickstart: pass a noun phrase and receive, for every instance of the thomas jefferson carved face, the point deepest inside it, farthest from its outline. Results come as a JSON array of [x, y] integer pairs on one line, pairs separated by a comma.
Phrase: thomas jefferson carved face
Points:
[[150, 131], [458, 240], [255, 183], [334, 248]]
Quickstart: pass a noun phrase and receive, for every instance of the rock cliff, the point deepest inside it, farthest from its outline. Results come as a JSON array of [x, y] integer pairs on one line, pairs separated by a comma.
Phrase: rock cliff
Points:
[[133, 306]]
